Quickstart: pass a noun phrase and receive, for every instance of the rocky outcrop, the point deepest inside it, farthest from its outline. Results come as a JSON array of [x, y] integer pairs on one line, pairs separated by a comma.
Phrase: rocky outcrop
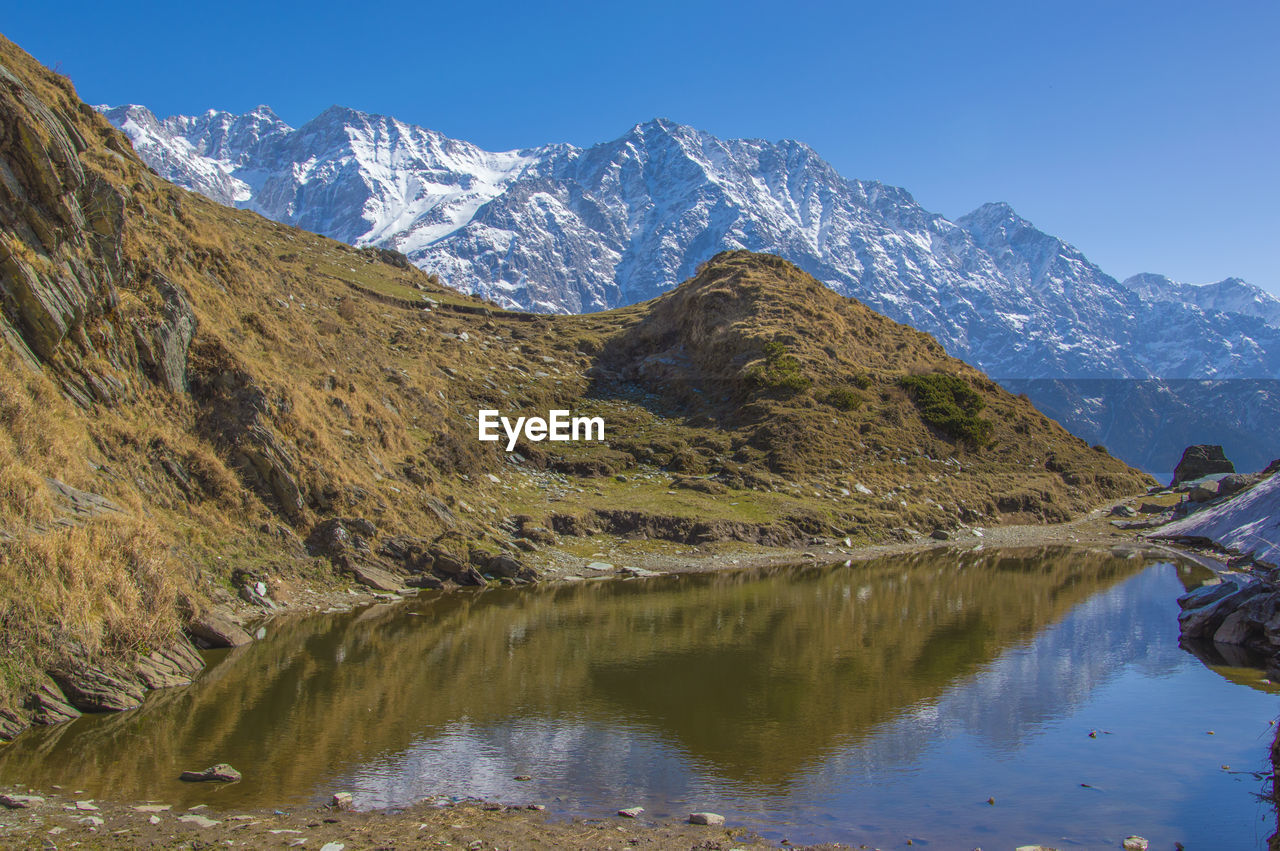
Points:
[[48, 705], [269, 464], [77, 505], [1242, 611], [55, 218], [222, 773], [95, 689], [373, 577], [77, 686], [1200, 461], [162, 345], [176, 665]]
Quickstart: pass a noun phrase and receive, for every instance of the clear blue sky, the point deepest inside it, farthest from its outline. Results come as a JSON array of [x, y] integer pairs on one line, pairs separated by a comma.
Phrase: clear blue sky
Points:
[[1147, 134]]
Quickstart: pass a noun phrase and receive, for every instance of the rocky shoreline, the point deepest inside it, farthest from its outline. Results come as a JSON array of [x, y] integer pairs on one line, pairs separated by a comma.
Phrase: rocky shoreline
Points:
[[44, 819], [61, 820], [237, 619], [1224, 517]]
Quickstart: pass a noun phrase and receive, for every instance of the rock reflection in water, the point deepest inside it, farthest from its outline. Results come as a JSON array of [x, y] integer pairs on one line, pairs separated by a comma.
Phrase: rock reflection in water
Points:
[[753, 674], [850, 702]]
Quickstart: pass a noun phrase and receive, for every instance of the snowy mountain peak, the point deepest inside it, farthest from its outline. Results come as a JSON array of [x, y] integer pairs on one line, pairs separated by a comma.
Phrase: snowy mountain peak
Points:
[[567, 229], [1230, 296]]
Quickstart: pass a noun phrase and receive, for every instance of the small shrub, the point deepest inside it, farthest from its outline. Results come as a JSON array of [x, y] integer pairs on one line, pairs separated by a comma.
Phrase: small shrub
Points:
[[780, 371], [948, 403], [843, 399]]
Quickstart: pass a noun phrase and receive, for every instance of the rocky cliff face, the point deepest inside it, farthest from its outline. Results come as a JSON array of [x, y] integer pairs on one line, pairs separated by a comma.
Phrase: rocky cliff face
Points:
[[61, 231]]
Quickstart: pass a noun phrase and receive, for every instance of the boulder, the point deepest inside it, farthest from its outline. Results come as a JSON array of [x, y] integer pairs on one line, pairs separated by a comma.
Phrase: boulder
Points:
[[1203, 491], [1204, 621], [1233, 483], [407, 551], [448, 563], [372, 577], [216, 629], [20, 802], [1249, 621], [361, 526], [425, 580], [1123, 511], [711, 819], [1206, 594], [221, 773], [1201, 460], [505, 564], [255, 594], [329, 538], [471, 576], [1235, 629]]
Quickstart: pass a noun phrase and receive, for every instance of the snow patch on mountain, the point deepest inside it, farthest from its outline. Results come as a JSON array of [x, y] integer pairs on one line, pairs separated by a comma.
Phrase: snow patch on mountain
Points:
[[1247, 523]]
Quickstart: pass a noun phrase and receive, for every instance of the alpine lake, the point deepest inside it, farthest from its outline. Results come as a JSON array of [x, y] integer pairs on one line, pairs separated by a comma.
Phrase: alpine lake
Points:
[[950, 699]]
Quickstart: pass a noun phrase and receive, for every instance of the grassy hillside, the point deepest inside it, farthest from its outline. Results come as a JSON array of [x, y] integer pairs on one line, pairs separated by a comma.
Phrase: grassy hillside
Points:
[[194, 397]]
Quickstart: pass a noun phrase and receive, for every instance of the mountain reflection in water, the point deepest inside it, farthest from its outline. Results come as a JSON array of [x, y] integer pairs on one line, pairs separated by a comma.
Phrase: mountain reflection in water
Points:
[[850, 701]]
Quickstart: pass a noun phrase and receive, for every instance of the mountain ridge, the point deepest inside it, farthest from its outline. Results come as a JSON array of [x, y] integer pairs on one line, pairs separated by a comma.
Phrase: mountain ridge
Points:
[[558, 228]]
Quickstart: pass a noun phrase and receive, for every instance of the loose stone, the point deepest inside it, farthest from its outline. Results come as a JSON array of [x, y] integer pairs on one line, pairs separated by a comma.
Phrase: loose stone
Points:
[[20, 802], [220, 772], [710, 819]]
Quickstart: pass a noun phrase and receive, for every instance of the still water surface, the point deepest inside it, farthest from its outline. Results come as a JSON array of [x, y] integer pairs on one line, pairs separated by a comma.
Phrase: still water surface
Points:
[[872, 704]]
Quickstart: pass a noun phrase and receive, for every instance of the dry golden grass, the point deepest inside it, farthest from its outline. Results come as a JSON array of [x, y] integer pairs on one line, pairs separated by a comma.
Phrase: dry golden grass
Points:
[[108, 588]]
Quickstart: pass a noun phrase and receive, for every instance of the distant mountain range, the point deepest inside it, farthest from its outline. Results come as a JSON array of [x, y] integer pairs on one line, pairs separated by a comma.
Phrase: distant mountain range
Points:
[[566, 229]]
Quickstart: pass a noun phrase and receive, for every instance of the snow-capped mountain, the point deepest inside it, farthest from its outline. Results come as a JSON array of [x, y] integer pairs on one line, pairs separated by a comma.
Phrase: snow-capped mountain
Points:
[[567, 229], [561, 228], [1230, 295]]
